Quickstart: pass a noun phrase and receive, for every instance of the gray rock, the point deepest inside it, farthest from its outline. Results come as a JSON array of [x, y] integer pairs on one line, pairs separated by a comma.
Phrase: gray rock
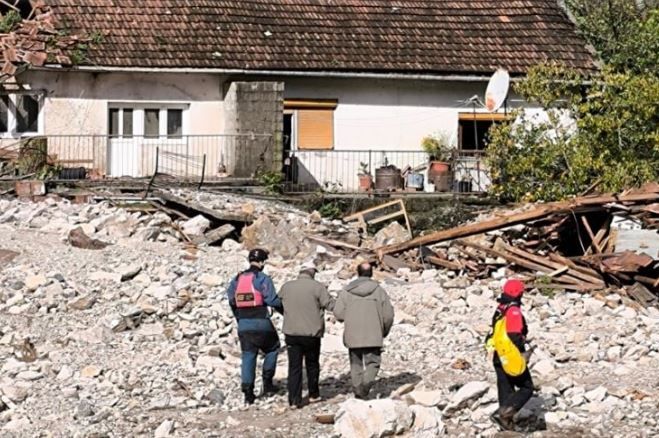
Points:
[[376, 418], [84, 410], [216, 396], [465, 394]]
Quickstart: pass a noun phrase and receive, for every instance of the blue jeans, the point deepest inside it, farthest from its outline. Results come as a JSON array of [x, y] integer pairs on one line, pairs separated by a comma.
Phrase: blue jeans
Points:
[[251, 342]]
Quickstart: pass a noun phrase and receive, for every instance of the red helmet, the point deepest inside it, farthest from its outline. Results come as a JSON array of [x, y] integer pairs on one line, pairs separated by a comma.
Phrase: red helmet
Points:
[[514, 288]]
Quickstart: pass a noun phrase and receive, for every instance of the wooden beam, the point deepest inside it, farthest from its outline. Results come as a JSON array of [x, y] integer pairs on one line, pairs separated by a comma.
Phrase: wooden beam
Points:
[[553, 265], [360, 214], [334, 243], [220, 216], [593, 241], [538, 212], [447, 264]]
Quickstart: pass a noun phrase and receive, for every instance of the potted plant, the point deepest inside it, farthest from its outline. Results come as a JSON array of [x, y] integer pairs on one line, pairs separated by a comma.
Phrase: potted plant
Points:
[[365, 177], [439, 150]]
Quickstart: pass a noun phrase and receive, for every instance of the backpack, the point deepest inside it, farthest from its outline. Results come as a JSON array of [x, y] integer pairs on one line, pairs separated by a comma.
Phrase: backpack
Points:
[[246, 295], [511, 358]]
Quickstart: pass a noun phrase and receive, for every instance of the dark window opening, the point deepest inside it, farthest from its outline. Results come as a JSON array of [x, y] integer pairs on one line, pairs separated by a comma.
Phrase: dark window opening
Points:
[[174, 123], [113, 122], [128, 123], [474, 134], [151, 123], [27, 113], [4, 113]]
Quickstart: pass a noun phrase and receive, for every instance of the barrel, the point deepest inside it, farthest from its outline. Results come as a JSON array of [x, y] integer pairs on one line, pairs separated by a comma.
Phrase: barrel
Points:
[[388, 179]]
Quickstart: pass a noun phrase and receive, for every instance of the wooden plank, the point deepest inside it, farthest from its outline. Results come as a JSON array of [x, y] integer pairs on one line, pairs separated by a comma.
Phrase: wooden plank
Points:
[[641, 294], [525, 263], [334, 243], [564, 260], [593, 240], [654, 282], [548, 263], [394, 263], [361, 213], [448, 264], [385, 218], [514, 219]]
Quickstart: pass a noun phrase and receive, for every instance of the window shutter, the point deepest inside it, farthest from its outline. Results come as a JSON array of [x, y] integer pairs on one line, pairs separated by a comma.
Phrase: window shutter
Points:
[[315, 129]]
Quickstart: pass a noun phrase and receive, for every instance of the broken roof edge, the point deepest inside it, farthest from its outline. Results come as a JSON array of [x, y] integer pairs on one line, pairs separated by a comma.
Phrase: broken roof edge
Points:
[[453, 77]]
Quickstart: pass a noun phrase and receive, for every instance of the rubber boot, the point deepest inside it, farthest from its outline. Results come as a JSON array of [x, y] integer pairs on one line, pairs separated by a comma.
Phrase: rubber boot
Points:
[[248, 390]]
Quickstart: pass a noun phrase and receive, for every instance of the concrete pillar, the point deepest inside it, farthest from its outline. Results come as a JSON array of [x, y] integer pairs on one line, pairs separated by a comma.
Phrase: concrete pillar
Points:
[[257, 110]]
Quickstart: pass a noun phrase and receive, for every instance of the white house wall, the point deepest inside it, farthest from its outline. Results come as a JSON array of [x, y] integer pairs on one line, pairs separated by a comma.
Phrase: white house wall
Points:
[[390, 115], [386, 115]]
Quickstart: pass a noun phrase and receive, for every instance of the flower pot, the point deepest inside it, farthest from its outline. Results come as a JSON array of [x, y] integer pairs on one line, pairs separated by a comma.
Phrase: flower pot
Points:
[[438, 168], [365, 183]]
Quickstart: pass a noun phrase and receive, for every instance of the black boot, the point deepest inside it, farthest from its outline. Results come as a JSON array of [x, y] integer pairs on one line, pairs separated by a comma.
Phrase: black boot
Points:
[[269, 388], [248, 390]]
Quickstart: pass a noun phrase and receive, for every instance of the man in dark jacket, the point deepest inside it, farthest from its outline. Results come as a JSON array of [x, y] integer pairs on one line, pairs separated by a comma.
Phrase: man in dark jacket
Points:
[[250, 294], [513, 391], [305, 301], [368, 315]]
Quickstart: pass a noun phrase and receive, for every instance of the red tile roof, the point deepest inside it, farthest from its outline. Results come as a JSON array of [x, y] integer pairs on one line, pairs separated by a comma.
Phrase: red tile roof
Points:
[[461, 37]]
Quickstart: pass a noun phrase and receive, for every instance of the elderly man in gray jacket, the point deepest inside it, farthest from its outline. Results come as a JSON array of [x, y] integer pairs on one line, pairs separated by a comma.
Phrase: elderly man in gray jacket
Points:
[[368, 315], [305, 301]]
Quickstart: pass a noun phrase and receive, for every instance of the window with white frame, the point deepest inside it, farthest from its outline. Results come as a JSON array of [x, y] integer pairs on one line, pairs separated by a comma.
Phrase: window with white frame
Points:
[[148, 121], [20, 114]]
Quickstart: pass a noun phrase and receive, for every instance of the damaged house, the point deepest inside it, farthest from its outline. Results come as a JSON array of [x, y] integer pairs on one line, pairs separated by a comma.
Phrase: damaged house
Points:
[[318, 89]]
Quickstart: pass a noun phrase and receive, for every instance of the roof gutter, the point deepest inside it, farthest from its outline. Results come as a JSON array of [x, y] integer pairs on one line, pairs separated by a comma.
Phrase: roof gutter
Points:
[[291, 73]]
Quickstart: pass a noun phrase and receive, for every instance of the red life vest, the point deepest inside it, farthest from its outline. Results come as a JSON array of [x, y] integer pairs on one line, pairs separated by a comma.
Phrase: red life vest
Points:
[[246, 294]]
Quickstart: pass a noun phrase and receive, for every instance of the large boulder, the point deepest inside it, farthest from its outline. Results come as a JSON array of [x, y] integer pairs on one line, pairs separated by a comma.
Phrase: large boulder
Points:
[[373, 419]]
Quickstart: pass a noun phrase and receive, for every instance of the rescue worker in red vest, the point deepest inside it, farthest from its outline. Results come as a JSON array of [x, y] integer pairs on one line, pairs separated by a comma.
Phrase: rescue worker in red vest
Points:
[[250, 294], [513, 391]]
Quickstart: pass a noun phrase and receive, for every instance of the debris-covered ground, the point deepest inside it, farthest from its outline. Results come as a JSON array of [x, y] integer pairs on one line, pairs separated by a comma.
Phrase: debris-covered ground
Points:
[[137, 339]]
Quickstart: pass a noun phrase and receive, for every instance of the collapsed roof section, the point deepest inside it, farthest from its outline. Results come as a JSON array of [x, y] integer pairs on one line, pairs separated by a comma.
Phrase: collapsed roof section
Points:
[[29, 37]]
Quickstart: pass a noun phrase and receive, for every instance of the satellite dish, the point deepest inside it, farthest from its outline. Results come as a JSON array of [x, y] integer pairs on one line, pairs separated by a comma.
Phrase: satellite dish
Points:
[[497, 90]]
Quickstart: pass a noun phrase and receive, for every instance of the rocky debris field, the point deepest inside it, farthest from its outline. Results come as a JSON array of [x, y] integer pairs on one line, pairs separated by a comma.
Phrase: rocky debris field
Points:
[[137, 339]]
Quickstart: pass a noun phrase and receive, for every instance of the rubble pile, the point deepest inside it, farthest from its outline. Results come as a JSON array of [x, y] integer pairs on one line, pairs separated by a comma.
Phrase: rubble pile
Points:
[[588, 244], [136, 338]]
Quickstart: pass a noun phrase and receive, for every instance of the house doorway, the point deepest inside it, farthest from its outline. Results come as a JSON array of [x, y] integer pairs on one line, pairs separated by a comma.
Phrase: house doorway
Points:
[[123, 150]]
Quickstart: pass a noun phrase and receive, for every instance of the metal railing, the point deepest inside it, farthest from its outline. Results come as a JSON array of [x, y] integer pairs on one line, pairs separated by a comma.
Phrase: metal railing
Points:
[[308, 171], [184, 157], [200, 158]]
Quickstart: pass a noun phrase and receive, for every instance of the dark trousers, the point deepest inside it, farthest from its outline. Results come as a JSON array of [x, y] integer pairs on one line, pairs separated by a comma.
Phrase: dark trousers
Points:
[[251, 342], [307, 349], [513, 391], [364, 367]]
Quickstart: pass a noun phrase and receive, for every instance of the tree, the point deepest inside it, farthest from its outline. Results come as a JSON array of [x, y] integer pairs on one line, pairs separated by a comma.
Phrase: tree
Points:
[[599, 129], [619, 31]]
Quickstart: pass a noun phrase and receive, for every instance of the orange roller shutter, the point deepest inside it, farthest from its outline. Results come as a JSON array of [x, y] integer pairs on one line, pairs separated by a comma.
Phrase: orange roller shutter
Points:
[[315, 129]]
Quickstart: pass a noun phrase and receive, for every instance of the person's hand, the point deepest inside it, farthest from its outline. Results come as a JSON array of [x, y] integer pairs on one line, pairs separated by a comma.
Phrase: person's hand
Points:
[[490, 356]]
